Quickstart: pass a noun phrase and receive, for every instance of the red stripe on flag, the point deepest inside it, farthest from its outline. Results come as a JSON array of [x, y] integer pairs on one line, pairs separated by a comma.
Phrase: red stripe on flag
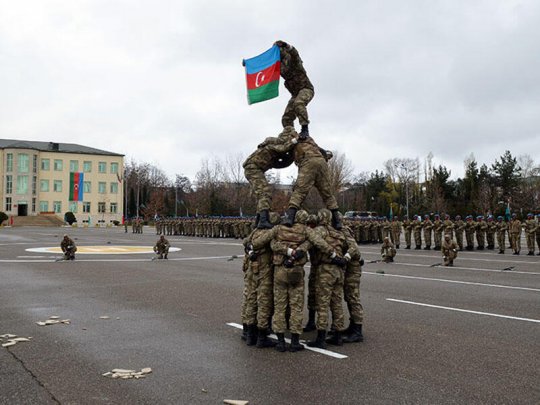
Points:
[[75, 196], [270, 74]]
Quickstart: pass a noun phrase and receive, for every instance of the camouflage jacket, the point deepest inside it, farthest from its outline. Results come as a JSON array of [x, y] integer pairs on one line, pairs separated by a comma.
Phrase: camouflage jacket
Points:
[[293, 72]]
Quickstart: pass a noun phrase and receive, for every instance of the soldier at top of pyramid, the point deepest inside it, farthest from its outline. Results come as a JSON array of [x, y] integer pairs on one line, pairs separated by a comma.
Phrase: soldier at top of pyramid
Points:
[[298, 84], [272, 153]]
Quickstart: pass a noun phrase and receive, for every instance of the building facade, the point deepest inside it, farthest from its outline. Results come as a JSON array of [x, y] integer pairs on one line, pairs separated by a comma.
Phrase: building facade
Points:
[[36, 178]]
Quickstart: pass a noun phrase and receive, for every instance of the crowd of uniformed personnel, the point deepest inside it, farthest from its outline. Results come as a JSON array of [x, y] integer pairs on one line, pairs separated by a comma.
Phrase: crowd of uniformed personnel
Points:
[[206, 227]]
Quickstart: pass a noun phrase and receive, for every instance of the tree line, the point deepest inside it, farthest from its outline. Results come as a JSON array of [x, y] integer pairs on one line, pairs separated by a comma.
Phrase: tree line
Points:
[[220, 188]]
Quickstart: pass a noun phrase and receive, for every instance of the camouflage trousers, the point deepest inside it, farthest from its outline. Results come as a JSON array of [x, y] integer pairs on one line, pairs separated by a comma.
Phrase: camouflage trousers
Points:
[[470, 238], [501, 241], [259, 185], [449, 259], [408, 238], [329, 297], [395, 237], [490, 237], [530, 241], [312, 288], [249, 303], [449, 232], [437, 238], [538, 239], [296, 107], [264, 281], [516, 242], [288, 291], [480, 238], [314, 172], [351, 289], [459, 239], [427, 238], [417, 238]]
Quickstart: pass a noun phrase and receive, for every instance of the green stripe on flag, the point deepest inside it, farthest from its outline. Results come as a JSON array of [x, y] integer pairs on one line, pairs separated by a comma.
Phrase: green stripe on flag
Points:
[[266, 92], [71, 185]]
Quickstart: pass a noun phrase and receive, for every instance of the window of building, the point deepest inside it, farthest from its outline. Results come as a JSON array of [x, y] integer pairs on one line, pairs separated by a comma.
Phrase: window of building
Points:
[[114, 188], [9, 162], [34, 185], [73, 205], [73, 166], [102, 167], [34, 164], [57, 206], [9, 184], [22, 184], [101, 207], [45, 164], [34, 204], [57, 186], [23, 162], [44, 185], [114, 208], [87, 166], [58, 165], [43, 206], [87, 186], [102, 187], [114, 167], [8, 203], [86, 207]]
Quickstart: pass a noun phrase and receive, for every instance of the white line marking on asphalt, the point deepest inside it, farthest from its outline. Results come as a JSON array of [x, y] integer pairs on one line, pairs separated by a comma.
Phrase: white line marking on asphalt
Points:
[[30, 257], [313, 349], [464, 310], [453, 281], [462, 268], [53, 260]]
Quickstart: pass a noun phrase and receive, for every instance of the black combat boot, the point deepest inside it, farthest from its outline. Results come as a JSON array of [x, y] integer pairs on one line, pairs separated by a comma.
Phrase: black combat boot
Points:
[[304, 132], [530, 253], [281, 347], [320, 341], [336, 339], [165, 257], [263, 341], [289, 217], [501, 252], [251, 336], [336, 221], [427, 248], [244, 331], [257, 219], [355, 335], [310, 325], [418, 247], [408, 247], [295, 343], [264, 223]]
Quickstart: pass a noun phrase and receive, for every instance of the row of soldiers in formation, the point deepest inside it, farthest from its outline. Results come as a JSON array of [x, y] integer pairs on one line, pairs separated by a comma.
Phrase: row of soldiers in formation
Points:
[[206, 227], [274, 282]]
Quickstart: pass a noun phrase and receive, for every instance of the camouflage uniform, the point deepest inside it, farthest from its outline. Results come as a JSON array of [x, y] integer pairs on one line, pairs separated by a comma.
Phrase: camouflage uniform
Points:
[[388, 251], [407, 228], [515, 233], [395, 234], [530, 231], [481, 228], [417, 227], [427, 226], [449, 250], [470, 227], [490, 233], [437, 232], [162, 247], [459, 227], [502, 227], [68, 247], [249, 302], [351, 284]]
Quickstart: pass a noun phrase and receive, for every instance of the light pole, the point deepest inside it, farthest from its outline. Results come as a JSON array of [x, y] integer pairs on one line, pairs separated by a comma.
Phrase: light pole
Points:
[[176, 201], [406, 188]]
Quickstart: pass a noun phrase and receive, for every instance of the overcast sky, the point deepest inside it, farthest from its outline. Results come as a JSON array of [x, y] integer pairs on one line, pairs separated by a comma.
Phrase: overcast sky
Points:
[[162, 81]]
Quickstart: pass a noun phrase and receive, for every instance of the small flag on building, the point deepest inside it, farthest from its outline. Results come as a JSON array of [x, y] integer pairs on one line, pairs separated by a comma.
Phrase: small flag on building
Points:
[[262, 75], [76, 181], [507, 212]]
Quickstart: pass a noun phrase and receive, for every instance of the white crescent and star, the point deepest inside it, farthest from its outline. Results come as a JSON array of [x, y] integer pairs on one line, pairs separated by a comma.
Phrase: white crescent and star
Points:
[[257, 81]]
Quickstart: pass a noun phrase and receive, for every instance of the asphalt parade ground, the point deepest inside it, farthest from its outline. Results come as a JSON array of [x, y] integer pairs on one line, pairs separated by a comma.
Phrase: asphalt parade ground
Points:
[[433, 335]]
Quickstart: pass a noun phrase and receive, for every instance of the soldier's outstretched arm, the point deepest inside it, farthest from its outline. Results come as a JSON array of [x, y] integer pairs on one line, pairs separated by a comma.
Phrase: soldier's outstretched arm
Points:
[[352, 247], [317, 239], [262, 239]]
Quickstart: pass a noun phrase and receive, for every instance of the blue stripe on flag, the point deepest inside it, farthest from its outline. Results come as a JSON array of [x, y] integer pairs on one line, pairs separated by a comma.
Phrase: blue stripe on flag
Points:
[[263, 61], [81, 186]]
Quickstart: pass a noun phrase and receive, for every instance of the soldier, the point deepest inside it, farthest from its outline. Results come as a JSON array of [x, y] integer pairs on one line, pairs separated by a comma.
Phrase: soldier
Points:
[[530, 231], [386, 227], [417, 227], [490, 232], [449, 250], [501, 233], [427, 226], [162, 247], [395, 234], [538, 233], [481, 228], [68, 248], [388, 251], [437, 231], [407, 228], [312, 171], [459, 227], [448, 226], [263, 270], [515, 234], [298, 84], [312, 222], [272, 153], [249, 302], [470, 228], [330, 282]]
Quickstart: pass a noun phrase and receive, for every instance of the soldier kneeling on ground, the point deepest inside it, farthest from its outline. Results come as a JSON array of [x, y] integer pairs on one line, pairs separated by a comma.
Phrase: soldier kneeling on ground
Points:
[[68, 248], [162, 247], [449, 250], [388, 251]]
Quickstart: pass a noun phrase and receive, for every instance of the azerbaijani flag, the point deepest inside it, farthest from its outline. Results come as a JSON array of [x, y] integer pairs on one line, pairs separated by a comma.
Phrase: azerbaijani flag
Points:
[[76, 186], [262, 75]]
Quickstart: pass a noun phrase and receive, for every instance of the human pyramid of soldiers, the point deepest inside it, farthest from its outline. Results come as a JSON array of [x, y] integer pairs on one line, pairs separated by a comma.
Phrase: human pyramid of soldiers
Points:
[[277, 250]]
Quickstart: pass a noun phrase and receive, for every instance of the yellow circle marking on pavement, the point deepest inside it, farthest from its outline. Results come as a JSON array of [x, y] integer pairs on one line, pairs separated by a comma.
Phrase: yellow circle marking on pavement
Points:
[[102, 250]]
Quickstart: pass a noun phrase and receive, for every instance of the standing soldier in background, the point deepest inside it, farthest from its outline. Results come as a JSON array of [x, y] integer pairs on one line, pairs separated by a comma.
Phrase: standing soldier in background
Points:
[[395, 234], [470, 227], [448, 226], [481, 228], [298, 84], [249, 302], [530, 231], [490, 232], [417, 226], [386, 227], [427, 226], [502, 227], [314, 259], [538, 233], [515, 234], [459, 227], [449, 250], [407, 228], [270, 154], [388, 252], [437, 231]]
